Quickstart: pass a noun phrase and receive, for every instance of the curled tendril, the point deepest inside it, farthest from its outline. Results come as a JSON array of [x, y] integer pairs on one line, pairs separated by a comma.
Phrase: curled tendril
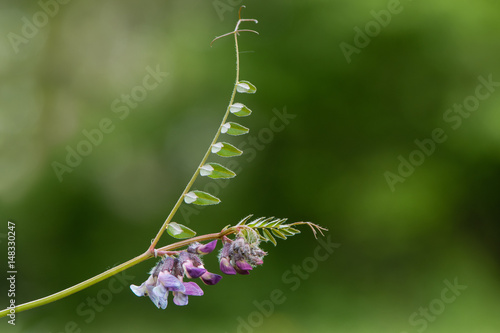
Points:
[[236, 30], [239, 11]]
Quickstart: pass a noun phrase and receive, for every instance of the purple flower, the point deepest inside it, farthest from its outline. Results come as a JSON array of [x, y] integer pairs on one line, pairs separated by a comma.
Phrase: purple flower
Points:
[[193, 268], [242, 267], [167, 276], [190, 289], [203, 248], [181, 290], [193, 271], [240, 256], [145, 287], [225, 260], [226, 267], [210, 279]]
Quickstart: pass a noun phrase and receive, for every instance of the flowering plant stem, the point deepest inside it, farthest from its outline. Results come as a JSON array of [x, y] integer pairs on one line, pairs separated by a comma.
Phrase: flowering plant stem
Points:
[[152, 251]]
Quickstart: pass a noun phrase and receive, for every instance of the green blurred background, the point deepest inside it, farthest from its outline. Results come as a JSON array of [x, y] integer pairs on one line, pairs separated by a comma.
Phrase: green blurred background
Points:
[[397, 247]]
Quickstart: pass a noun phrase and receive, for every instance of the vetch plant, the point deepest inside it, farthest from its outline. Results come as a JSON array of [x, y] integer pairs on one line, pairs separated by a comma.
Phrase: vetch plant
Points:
[[182, 260]]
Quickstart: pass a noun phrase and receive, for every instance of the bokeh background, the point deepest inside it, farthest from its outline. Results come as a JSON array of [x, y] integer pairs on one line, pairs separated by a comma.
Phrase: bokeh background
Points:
[[352, 120]]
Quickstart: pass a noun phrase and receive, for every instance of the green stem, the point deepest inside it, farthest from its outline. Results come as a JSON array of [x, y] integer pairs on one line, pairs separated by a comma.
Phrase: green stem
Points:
[[202, 238], [79, 286], [207, 154]]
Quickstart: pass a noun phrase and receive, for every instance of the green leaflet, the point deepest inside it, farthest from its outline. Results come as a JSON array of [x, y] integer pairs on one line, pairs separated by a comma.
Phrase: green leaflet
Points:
[[287, 232], [233, 129], [225, 149], [245, 87], [200, 198], [269, 228], [179, 231], [240, 110], [245, 220], [268, 236], [215, 170], [278, 233]]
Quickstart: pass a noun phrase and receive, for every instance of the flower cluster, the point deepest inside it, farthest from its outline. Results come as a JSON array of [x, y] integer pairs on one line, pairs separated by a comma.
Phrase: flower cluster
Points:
[[237, 256], [241, 255], [169, 273]]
